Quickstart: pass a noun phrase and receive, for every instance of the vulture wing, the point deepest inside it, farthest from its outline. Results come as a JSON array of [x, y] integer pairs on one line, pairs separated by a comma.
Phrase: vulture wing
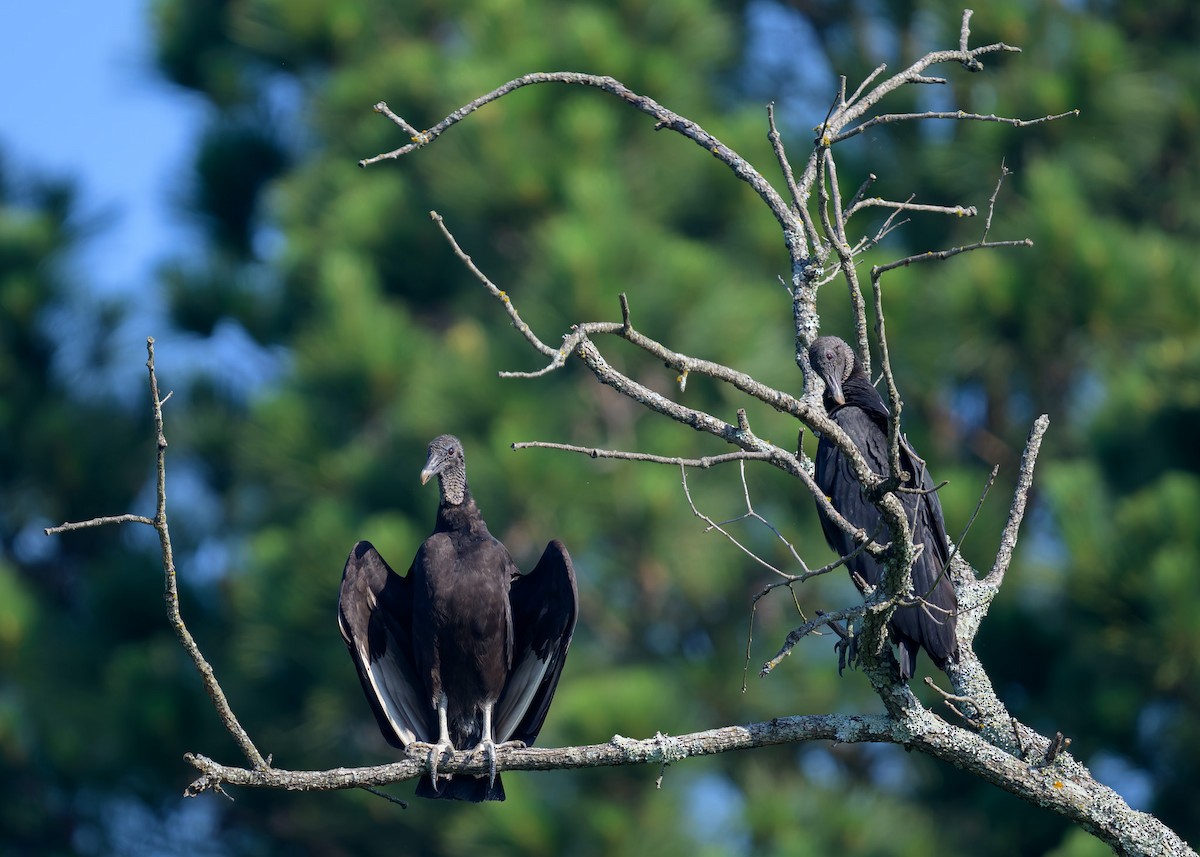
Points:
[[935, 620], [932, 625], [375, 618], [545, 604], [837, 480]]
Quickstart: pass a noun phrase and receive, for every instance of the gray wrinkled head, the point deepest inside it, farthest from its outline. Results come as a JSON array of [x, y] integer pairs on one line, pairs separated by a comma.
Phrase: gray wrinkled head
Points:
[[447, 462], [833, 360]]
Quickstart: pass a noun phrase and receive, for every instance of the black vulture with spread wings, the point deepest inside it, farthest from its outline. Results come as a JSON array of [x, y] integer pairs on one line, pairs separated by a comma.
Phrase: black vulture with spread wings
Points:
[[855, 405], [464, 652]]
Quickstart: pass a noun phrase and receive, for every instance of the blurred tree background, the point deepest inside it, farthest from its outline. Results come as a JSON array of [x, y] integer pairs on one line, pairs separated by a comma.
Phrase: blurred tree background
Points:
[[566, 198]]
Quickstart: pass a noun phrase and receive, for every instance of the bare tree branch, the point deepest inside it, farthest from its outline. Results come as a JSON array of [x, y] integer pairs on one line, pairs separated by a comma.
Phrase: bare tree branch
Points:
[[1008, 540], [663, 117], [99, 522], [876, 202], [171, 587], [1062, 786], [704, 463], [617, 751], [957, 115]]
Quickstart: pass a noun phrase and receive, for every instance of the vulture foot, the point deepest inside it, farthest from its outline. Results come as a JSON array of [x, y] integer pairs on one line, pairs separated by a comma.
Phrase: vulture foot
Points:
[[488, 747], [436, 751]]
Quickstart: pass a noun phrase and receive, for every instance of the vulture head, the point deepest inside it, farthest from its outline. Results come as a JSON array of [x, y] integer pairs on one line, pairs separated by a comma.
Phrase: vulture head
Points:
[[833, 360], [447, 463]]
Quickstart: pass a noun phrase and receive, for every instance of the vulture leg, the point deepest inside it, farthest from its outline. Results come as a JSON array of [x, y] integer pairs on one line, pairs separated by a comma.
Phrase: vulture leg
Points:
[[443, 745], [487, 744]]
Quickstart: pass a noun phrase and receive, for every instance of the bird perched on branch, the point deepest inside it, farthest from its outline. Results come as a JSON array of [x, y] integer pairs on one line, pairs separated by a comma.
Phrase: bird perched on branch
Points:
[[855, 405], [464, 652]]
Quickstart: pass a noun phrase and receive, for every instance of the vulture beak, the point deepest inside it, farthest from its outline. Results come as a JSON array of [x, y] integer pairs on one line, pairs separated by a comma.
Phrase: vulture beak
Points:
[[432, 465], [833, 390]]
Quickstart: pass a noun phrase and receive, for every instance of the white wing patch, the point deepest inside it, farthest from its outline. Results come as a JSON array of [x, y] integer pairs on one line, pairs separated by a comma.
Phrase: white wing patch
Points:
[[523, 683], [402, 708]]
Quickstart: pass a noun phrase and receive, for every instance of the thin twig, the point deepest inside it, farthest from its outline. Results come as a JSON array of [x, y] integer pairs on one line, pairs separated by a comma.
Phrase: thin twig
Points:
[[877, 202], [916, 72], [798, 634], [776, 141], [897, 404], [951, 698], [858, 195], [390, 798], [879, 69], [419, 138], [964, 36], [935, 255], [987, 226], [171, 588], [98, 522], [558, 355], [958, 115], [1059, 743], [1016, 513], [956, 549], [591, 452], [713, 525], [830, 209]]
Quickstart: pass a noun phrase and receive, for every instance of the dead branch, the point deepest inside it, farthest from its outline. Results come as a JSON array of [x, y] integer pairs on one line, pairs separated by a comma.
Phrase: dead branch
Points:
[[171, 588], [617, 751]]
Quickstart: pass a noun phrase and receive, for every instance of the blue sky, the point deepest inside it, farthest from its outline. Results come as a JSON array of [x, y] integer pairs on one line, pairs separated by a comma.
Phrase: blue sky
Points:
[[82, 100]]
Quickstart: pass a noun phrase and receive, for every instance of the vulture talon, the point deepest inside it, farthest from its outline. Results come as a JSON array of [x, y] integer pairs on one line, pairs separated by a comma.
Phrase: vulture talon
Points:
[[433, 757], [488, 747]]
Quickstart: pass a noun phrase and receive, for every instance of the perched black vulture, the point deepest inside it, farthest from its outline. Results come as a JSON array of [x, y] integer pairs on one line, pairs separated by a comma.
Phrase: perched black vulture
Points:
[[463, 652], [855, 405]]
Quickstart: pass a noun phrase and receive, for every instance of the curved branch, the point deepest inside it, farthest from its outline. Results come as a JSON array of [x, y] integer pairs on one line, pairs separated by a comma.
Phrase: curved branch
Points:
[[663, 117]]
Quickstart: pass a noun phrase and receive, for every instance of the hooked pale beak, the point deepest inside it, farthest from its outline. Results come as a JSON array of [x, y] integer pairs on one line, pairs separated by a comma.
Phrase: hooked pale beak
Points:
[[834, 390], [433, 464]]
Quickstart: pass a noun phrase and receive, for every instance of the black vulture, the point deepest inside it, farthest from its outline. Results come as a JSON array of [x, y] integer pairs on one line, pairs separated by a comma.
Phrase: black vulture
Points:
[[463, 652], [855, 405]]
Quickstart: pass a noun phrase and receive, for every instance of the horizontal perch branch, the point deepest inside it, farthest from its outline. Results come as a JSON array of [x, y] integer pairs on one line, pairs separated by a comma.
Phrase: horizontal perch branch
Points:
[[662, 749]]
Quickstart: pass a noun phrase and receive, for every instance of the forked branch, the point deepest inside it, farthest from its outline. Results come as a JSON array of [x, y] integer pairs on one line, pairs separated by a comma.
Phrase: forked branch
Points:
[[171, 585]]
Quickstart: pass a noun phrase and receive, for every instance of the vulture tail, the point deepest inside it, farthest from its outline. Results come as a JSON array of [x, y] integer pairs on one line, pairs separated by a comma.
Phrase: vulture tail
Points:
[[461, 787]]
